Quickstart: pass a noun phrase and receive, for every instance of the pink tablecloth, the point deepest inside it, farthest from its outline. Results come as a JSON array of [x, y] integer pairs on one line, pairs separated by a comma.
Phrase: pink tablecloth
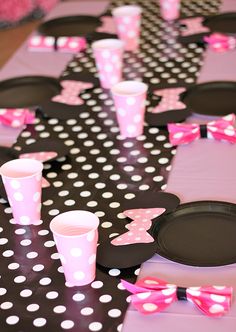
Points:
[[203, 170]]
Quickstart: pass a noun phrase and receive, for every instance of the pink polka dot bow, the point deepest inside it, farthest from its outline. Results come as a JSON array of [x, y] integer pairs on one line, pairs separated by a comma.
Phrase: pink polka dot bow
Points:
[[16, 117], [151, 295], [61, 44], [222, 129], [220, 43], [71, 90], [193, 25]]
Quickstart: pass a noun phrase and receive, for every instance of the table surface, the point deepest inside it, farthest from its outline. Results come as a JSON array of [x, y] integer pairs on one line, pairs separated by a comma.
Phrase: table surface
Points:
[[101, 172]]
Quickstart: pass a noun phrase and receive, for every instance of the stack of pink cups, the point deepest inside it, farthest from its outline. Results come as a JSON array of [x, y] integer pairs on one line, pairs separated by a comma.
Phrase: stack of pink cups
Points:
[[128, 20], [108, 54]]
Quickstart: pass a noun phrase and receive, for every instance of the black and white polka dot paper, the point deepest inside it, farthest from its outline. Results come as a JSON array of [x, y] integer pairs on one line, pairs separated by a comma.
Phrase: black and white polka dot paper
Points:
[[101, 172]]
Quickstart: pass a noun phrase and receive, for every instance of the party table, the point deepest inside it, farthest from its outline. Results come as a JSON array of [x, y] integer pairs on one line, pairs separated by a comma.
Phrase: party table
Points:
[[101, 172]]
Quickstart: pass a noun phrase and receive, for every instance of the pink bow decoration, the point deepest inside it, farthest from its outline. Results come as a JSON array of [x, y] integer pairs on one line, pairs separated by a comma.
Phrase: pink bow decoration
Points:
[[138, 227], [193, 26], [220, 43], [170, 100], [151, 295], [221, 129], [71, 90], [16, 117], [108, 25], [61, 44]]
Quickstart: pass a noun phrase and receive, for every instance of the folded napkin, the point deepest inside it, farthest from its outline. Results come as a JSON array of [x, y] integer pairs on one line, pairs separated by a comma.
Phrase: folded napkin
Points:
[[16, 117], [40, 43], [222, 130], [220, 42], [151, 295]]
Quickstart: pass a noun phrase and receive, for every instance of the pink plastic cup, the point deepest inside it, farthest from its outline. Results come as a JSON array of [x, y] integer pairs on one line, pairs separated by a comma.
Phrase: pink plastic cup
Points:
[[108, 54], [128, 20], [170, 9], [76, 234], [22, 179], [130, 99]]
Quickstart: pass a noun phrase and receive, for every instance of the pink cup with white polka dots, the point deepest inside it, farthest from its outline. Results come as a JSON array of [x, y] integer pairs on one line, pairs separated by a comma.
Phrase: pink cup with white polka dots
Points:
[[130, 102], [128, 20], [22, 179], [108, 54], [76, 234], [170, 9]]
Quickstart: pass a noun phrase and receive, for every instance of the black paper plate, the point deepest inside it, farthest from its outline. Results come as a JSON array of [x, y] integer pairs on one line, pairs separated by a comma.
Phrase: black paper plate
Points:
[[213, 98], [225, 23], [70, 26], [26, 91], [198, 233]]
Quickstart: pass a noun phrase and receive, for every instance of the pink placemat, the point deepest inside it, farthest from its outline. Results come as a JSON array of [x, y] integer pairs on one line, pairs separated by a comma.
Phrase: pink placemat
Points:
[[203, 170]]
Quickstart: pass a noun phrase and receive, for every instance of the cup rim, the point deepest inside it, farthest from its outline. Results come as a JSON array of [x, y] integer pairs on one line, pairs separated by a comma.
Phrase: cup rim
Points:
[[114, 87], [21, 161], [117, 44], [121, 10], [54, 220]]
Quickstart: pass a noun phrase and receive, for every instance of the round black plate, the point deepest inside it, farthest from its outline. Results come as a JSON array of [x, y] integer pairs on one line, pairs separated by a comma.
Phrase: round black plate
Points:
[[225, 23], [27, 91], [70, 26], [198, 234], [213, 98]]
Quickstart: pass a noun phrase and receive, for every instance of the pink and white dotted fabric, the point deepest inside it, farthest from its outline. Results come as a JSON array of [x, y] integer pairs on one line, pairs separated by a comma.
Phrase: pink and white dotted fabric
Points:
[[222, 130], [170, 9], [128, 22], [64, 44], [170, 100], [70, 93], [108, 25], [142, 222], [152, 295], [75, 234], [193, 26], [108, 54], [16, 117], [130, 103], [22, 179]]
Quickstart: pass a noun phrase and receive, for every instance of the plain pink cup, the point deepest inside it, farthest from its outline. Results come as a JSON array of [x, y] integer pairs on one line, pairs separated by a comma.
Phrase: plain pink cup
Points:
[[130, 102], [128, 20], [76, 234], [108, 54], [22, 179], [170, 9]]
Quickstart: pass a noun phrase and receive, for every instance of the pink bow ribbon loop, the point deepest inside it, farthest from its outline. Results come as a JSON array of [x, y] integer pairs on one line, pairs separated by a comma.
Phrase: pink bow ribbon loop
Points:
[[152, 295], [16, 117], [71, 90], [61, 44], [170, 100], [220, 43], [221, 129]]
